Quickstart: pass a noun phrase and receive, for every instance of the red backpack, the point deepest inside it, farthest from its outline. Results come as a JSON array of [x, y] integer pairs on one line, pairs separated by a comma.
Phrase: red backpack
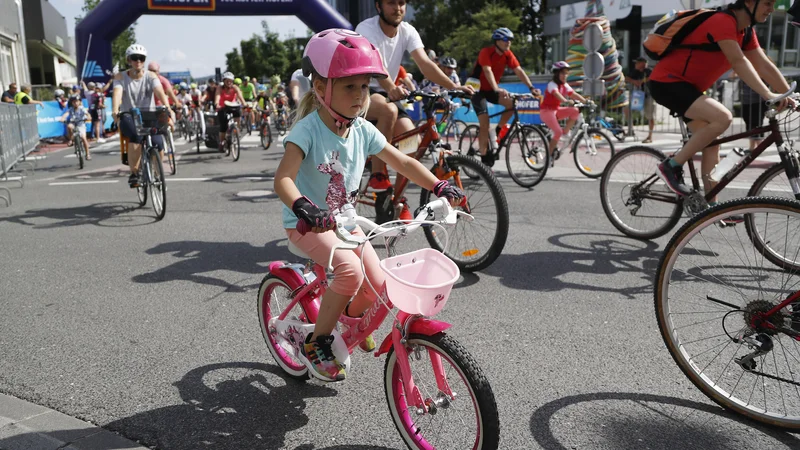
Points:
[[673, 28]]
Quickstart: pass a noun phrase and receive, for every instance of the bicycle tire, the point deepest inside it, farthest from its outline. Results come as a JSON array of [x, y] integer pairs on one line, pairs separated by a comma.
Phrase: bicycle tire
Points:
[[266, 136], [452, 134], [468, 374], [781, 188], [668, 309], [235, 145], [157, 185], [664, 222], [534, 158], [466, 255], [173, 166], [293, 367], [141, 190], [79, 152], [468, 146], [605, 153]]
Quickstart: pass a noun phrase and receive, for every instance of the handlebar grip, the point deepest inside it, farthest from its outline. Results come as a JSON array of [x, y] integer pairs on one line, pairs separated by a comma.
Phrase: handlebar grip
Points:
[[302, 227]]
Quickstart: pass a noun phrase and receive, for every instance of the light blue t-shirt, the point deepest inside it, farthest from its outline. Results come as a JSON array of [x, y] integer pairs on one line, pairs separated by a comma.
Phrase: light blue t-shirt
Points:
[[332, 168]]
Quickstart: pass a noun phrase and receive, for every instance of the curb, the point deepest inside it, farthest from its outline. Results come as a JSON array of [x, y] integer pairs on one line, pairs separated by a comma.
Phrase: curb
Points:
[[24, 425]]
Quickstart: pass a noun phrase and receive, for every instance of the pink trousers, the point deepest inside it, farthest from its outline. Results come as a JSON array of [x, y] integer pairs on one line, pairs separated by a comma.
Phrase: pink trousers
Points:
[[550, 117]]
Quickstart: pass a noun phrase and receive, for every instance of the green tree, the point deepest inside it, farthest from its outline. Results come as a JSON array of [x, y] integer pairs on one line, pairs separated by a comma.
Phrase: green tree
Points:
[[467, 40], [252, 57], [120, 43], [234, 62], [274, 52]]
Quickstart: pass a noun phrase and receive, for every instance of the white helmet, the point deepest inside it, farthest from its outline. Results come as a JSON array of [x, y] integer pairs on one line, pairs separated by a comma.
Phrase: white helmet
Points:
[[227, 76], [203, 87], [135, 49], [59, 92], [183, 85]]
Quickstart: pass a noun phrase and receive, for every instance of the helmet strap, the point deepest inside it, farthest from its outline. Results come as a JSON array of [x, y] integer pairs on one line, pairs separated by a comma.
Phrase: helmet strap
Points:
[[339, 119], [752, 13]]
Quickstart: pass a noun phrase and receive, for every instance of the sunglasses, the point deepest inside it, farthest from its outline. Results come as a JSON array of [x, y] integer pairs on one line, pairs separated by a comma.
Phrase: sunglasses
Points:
[[139, 58]]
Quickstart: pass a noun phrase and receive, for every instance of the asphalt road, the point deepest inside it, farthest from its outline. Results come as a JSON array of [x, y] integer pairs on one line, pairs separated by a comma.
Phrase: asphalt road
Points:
[[150, 328]]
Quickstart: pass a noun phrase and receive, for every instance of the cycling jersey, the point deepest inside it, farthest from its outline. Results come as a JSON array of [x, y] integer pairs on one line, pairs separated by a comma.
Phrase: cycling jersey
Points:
[[185, 98], [226, 95], [210, 94], [698, 67], [248, 92], [551, 101], [280, 99], [497, 61]]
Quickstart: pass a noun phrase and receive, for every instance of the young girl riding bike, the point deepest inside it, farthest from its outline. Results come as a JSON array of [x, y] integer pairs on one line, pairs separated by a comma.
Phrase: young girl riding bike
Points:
[[325, 154], [551, 111]]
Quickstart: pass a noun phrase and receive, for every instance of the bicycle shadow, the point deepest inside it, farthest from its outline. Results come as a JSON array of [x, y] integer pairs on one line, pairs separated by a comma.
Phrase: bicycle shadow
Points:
[[98, 214], [624, 420], [198, 259], [231, 405], [607, 254]]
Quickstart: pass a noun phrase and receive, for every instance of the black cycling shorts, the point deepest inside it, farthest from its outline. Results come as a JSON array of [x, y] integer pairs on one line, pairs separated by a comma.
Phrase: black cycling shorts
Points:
[[222, 118], [128, 129], [480, 98], [677, 96], [401, 110]]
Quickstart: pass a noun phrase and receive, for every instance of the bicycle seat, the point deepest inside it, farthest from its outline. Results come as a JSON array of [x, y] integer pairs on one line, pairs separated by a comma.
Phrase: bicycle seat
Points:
[[293, 249]]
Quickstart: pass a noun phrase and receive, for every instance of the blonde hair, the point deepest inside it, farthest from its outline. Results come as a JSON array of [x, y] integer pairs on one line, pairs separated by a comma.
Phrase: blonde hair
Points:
[[309, 103]]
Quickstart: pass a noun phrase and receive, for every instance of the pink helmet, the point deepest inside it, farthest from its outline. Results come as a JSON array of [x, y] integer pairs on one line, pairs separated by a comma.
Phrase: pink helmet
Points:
[[560, 65], [154, 66], [339, 53]]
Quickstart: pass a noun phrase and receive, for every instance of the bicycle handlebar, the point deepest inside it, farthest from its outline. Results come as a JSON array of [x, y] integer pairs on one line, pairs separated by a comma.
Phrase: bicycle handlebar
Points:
[[783, 96]]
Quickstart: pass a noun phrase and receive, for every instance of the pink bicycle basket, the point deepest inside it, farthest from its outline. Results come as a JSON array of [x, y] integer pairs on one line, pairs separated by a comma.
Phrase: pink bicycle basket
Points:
[[419, 282]]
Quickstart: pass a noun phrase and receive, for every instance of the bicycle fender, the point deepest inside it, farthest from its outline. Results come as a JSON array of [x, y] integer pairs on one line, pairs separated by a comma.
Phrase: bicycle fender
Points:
[[292, 276], [423, 326]]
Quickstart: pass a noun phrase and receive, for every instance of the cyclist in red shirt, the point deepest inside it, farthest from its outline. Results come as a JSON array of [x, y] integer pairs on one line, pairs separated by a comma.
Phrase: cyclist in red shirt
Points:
[[227, 93], [165, 83], [680, 78], [492, 62]]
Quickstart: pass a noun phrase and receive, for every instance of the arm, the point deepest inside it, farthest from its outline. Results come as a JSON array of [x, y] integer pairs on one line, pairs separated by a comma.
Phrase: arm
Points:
[[286, 173], [523, 76], [433, 72], [216, 97], [294, 88], [744, 68], [83, 86], [158, 91], [487, 72], [116, 99], [578, 97], [767, 70], [239, 95], [172, 95], [408, 167]]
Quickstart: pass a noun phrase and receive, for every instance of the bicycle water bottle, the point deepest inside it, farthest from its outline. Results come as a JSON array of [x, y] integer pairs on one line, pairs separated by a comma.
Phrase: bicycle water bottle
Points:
[[441, 127], [137, 117], [725, 165], [503, 132], [474, 83]]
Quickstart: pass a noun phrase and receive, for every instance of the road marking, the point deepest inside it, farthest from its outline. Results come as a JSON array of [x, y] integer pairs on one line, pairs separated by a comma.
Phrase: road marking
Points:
[[71, 183], [252, 194], [189, 179]]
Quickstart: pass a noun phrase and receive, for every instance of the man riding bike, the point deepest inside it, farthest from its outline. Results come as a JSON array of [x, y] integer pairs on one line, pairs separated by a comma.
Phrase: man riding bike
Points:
[[249, 94], [448, 66], [680, 78], [196, 93], [210, 94], [393, 37], [492, 62]]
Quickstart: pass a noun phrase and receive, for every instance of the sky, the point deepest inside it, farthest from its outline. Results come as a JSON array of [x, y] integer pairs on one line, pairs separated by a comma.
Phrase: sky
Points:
[[195, 43]]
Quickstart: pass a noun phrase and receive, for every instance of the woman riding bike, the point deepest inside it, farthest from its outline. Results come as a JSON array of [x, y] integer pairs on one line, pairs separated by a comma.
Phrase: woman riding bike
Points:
[[227, 93]]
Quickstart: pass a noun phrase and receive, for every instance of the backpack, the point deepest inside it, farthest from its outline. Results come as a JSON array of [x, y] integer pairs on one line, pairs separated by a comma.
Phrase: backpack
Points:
[[674, 27]]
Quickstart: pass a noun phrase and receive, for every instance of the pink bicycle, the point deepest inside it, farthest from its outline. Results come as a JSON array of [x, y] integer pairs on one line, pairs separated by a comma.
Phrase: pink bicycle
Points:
[[437, 393]]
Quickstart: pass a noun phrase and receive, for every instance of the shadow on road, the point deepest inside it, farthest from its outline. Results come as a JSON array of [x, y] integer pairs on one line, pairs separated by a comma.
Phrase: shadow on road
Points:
[[126, 214], [198, 259], [624, 420], [603, 255], [236, 405]]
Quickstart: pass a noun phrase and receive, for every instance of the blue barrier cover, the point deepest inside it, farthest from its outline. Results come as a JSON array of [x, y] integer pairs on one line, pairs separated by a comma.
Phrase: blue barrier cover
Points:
[[50, 127]]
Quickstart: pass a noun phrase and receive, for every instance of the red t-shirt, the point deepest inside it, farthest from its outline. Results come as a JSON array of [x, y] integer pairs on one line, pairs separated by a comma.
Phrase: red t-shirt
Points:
[[697, 67], [226, 95], [551, 101], [489, 57], [167, 88], [400, 75]]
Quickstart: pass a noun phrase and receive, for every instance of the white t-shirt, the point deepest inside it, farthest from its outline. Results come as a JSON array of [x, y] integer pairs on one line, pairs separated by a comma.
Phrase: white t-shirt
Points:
[[304, 81], [391, 49]]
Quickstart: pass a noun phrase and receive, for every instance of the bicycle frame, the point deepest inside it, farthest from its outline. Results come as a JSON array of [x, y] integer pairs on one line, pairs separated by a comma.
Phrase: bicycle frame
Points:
[[405, 324]]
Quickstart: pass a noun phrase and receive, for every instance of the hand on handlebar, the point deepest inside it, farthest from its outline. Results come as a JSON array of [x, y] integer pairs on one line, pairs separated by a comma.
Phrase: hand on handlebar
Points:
[[466, 89], [397, 93], [443, 189], [314, 219], [502, 93]]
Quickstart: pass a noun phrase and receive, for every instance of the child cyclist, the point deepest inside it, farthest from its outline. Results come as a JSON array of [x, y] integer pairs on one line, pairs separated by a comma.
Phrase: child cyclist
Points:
[[77, 118], [551, 111], [325, 154]]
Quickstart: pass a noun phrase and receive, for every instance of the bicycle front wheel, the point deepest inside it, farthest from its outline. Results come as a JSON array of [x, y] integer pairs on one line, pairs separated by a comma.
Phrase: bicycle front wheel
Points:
[[467, 419], [527, 157], [141, 190], [158, 186], [173, 166], [235, 145], [468, 146], [473, 245], [634, 199], [79, 152], [592, 151], [714, 301], [274, 296], [774, 183], [266, 136], [452, 134]]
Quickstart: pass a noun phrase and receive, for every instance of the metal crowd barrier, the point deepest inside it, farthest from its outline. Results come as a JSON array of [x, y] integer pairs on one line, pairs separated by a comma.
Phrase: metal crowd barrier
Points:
[[19, 136]]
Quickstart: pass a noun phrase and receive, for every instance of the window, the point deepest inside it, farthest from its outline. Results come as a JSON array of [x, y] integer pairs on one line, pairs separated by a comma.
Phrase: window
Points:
[[7, 68]]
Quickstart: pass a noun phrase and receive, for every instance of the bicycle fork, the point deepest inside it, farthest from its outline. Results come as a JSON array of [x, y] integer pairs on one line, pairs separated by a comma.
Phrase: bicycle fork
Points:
[[792, 167]]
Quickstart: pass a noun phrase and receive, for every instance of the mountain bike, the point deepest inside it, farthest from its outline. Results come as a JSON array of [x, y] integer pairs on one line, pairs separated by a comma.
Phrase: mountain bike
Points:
[[590, 147], [437, 394], [77, 142], [232, 139], [151, 170], [264, 130], [641, 206], [525, 145], [247, 123], [476, 247], [280, 120], [728, 316], [182, 125]]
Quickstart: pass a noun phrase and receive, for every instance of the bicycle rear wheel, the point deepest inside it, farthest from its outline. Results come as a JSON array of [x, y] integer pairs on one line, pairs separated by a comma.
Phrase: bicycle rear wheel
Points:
[[266, 135], [627, 190], [473, 245], [527, 157], [592, 151], [158, 186], [713, 294], [452, 134], [79, 152], [274, 296], [173, 166], [466, 420], [468, 146], [235, 145]]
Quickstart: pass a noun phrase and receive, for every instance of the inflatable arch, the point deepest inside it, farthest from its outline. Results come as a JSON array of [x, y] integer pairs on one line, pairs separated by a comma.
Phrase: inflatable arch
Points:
[[112, 17]]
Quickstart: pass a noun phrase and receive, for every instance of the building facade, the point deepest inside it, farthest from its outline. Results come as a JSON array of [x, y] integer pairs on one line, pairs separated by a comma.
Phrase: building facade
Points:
[[779, 39], [13, 54], [50, 49]]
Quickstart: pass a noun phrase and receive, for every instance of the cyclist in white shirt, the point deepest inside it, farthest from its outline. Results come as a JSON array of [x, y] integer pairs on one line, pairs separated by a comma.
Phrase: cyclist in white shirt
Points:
[[298, 86], [393, 37]]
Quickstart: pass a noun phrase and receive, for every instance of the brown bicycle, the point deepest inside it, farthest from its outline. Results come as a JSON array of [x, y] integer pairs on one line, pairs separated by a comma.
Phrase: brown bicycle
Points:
[[474, 245]]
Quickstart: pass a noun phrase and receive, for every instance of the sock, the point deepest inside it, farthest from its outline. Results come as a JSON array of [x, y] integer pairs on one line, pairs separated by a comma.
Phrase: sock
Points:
[[713, 204], [672, 163]]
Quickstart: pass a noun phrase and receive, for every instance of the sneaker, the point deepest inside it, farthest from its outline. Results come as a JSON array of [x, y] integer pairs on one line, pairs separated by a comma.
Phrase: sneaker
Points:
[[405, 214], [673, 178], [318, 357], [488, 159], [379, 182], [101, 141], [133, 180]]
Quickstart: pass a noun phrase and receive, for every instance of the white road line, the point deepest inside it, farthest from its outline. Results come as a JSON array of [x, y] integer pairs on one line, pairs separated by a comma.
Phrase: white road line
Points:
[[70, 183], [188, 179]]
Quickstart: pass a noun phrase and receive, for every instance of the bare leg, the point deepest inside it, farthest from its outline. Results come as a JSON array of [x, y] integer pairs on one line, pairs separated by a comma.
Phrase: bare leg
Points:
[[716, 118], [483, 133], [134, 155], [330, 309], [385, 113]]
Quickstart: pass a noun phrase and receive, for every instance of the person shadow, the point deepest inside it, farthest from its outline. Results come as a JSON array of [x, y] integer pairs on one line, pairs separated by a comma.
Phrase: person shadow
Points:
[[123, 214]]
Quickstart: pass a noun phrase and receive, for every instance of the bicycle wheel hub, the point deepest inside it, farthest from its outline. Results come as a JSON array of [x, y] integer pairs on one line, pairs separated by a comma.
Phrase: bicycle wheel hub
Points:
[[755, 317]]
